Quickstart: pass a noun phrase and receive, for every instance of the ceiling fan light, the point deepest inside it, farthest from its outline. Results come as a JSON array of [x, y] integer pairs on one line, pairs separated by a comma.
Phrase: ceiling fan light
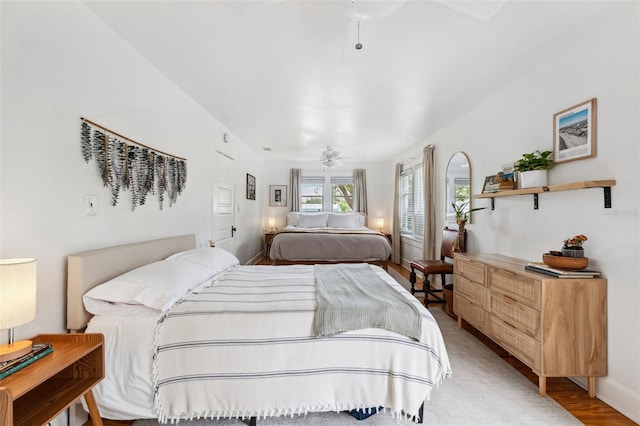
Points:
[[330, 163]]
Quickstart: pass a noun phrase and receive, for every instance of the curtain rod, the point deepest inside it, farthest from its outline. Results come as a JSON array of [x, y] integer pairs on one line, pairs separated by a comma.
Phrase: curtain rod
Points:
[[130, 140]]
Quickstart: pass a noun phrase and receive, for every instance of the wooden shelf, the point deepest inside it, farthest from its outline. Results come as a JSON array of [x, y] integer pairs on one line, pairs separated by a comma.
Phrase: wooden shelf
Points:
[[605, 184]]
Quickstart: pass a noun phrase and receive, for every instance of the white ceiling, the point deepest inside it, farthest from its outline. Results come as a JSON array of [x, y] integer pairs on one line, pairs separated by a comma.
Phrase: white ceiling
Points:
[[285, 74]]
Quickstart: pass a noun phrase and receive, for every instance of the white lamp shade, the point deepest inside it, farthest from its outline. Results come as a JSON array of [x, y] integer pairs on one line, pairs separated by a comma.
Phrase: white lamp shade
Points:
[[381, 222], [272, 222], [17, 292]]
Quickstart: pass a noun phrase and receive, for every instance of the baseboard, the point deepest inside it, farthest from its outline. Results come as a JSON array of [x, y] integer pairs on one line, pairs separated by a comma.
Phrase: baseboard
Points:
[[620, 397], [255, 259]]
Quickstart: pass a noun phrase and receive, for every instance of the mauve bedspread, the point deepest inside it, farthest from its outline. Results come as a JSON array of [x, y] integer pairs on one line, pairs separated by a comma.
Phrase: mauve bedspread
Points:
[[329, 244]]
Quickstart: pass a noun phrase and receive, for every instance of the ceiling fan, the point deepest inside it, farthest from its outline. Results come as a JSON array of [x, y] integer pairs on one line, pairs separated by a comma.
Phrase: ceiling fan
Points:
[[329, 158], [371, 10]]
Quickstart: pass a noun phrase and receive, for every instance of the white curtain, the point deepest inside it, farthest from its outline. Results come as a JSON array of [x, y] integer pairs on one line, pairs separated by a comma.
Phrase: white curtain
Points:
[[395, 226], [295, 189], [360, 190], [428, 170]]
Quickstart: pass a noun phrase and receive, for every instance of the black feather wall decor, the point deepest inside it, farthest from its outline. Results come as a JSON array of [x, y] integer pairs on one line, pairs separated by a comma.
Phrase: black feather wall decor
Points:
[[124, 164], [85, 138]]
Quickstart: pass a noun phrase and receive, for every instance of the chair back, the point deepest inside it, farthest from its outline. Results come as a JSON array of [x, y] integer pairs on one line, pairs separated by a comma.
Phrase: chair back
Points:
[[451, 243]]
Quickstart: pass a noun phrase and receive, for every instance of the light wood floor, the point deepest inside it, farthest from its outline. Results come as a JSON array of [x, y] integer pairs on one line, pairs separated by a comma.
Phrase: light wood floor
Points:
[[590, 411]]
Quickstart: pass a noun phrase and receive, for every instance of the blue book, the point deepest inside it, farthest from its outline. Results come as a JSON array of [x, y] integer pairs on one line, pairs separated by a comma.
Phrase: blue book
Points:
[[39, 350]]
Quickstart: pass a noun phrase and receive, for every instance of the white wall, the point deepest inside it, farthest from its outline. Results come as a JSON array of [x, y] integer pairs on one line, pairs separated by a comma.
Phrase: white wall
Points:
[[60, 63], [601, 62]]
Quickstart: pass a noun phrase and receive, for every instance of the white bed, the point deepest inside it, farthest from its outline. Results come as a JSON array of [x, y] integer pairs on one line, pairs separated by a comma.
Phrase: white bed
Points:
[[328, 237], [266, 360]]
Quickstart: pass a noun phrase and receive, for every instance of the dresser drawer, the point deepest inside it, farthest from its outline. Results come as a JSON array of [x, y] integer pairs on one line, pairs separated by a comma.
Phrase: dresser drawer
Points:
[[524, 347], [473, 291], [520, 316], [471, 312], [517, 287], [470, 269]]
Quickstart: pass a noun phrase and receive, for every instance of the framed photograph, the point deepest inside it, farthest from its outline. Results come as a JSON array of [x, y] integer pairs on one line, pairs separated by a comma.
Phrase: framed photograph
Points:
[[574, 132], [251, 187], [278, 195], [491, 184]]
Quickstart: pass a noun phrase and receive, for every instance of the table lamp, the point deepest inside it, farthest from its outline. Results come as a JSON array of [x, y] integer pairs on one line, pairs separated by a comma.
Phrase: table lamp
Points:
[[381, 223], [272, 224], [17, 302]]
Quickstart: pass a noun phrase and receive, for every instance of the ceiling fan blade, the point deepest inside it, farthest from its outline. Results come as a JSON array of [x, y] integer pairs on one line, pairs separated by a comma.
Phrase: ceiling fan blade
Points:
[[482, 10], [245, 7]]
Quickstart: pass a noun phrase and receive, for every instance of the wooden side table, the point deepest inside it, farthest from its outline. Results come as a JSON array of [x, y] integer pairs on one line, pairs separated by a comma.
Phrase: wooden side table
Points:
[[268, 237], [39, 392]]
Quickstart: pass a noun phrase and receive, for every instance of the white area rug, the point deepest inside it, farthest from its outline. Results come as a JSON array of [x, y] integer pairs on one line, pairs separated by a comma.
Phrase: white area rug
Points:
[[484, 390]]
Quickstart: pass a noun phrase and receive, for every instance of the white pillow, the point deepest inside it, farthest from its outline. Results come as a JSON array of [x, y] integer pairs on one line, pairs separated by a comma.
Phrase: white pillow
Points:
[[345, 220], [156, 285], [293, 218], [215, 259], [102, 307], [312, 220]]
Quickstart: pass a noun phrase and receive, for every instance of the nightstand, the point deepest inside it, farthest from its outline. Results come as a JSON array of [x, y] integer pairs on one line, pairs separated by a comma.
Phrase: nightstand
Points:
[[389, 238], [268, 237], [41, 391]]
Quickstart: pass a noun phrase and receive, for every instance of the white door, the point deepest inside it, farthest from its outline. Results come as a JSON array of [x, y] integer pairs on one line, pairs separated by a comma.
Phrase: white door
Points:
[[223, 210]]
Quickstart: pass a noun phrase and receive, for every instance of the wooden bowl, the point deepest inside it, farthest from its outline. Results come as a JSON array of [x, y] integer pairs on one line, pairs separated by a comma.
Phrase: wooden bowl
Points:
[[563, 262]]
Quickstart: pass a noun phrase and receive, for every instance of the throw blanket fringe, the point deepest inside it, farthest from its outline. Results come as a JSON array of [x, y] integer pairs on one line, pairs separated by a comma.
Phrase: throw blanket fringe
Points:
[[353, 297], [228, 414]]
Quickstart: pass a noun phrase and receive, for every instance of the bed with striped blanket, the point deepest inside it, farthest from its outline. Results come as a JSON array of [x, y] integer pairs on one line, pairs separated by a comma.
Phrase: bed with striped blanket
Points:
[[244, 345]]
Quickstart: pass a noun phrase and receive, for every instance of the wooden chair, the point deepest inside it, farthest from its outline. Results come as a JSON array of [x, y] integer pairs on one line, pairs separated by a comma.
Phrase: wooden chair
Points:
[[452, 241]]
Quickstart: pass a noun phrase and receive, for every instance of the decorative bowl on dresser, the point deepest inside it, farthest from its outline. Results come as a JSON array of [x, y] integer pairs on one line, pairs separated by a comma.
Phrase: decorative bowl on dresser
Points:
[[564, 262]]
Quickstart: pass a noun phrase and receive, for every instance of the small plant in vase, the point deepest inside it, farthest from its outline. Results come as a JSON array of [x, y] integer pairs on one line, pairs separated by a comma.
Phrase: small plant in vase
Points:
[[573, 246], [462, 213]]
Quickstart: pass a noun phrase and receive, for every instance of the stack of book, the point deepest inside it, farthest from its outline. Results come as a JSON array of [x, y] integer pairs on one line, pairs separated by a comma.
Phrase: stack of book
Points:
[[561, 273], [38, 351]]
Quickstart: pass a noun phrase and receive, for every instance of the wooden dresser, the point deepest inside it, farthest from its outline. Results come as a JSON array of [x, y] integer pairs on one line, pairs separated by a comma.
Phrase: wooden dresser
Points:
[[558, 327]]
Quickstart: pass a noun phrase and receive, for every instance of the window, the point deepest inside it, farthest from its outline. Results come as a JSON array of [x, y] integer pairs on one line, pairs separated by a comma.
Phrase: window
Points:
[[311, 194], [342, 194], [313, 188], [412, 202]]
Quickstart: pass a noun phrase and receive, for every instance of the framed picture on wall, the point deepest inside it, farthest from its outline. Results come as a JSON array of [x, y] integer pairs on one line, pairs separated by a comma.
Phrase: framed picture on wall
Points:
[[251, 187], [574, 132], [278, 195]]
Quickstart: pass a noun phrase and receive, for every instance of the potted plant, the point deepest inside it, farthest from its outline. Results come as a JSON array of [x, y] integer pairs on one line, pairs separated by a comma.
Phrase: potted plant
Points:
[[462, 213], [573, 246], [533, 168]]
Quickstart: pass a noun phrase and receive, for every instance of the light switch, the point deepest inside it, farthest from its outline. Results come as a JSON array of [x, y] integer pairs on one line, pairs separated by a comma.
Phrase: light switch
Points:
[[91, 204]]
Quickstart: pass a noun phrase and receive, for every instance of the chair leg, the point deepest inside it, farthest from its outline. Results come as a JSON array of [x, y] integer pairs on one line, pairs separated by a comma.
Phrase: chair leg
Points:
[[412, 280], [435, 298]]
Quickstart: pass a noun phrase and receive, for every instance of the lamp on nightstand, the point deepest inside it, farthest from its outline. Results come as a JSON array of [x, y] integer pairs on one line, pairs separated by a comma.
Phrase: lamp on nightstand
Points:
[[272, 224], [381, 223], [17, 302]]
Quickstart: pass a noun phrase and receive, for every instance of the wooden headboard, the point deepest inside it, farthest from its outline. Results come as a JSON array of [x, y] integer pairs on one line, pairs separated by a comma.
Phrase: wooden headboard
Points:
[[88, 269]]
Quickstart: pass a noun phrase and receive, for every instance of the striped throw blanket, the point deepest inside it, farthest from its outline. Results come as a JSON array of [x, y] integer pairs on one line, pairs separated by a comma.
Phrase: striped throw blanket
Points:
[[246, 347], [353, 297]]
